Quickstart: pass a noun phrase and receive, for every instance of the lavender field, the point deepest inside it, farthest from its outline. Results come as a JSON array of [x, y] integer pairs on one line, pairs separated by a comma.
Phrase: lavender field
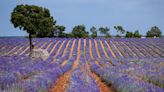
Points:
[[83, 65]]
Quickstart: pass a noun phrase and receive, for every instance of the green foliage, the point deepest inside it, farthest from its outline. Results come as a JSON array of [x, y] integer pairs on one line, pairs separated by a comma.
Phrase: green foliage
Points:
[[61, 30], [118, 36], [79, 31], [104, 30], [120, 30], [94, 32], [86, 35], [137, 34], [108, 35], [93, 35], [70, 35], [129, 34], [33, 19], [154, 32]]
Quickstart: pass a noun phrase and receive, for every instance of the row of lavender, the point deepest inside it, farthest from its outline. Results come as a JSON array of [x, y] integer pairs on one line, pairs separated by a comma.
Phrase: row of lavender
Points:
[[122, 48], [22, 73], [81, 79], [140, 75], [45, 70], [35, 76], [130, 74], [41, 76]]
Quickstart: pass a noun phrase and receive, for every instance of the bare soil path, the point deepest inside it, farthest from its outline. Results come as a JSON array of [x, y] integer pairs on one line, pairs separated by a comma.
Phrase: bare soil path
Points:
[[103, 48], [97, 50], [102, 86], [62, 83], [110, 50], [90, 49], [117, 49]]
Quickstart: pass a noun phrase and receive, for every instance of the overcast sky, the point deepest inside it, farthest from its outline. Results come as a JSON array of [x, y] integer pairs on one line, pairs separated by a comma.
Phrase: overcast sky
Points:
[[131, 14]]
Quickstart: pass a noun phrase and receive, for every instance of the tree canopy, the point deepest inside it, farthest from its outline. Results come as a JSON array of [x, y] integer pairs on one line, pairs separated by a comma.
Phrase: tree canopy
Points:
[[59, 30], [104, 30], [79, 31], [120, 30], [94, 32], [129, 34], [33, 19], [154, 32], [137, 34]]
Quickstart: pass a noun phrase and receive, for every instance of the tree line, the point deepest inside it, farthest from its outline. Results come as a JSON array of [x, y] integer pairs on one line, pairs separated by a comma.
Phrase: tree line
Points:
[[79, 31], [38, 22]]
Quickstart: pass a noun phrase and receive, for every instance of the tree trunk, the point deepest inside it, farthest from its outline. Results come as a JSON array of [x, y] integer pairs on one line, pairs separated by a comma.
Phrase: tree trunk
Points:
[[30, 40]]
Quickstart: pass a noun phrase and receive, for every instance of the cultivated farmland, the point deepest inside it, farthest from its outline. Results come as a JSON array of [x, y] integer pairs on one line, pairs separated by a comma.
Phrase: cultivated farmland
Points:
[[83, 65]]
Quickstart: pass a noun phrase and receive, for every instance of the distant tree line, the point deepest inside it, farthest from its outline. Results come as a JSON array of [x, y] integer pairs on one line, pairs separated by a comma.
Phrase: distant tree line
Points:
[[38, 22], [79, 31]]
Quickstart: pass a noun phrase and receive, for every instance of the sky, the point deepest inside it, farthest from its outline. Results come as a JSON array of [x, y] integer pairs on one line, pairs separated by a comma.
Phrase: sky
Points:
[[131, 14]]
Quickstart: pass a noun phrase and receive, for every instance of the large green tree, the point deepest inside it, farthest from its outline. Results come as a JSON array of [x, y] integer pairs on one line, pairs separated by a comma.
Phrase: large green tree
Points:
[[120, 30], [79, 31], [154, 32], [32, 19]]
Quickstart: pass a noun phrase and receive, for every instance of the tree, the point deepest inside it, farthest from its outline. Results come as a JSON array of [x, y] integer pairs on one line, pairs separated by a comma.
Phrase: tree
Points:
[[104, 30], [120, 30], [79, 31], [101, 29], [108, 35], [33, 20], [70, 35], [94, 32], [129, 34], [137, 34], [154, 32], [61, 29]]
